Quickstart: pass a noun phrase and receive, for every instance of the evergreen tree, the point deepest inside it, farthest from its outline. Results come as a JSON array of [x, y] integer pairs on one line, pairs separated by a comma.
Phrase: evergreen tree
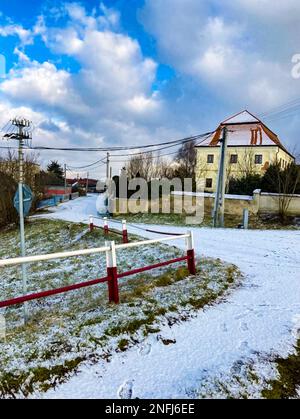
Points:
[[55, 168]]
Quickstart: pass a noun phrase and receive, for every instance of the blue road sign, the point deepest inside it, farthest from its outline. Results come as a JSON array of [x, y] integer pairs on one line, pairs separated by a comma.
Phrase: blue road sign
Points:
[[27, 200]]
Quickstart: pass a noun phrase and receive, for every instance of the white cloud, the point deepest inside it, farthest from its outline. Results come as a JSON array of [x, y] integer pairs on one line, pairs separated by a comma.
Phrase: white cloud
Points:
[[281, 11], [235, 54], [225, 47], [25, 35], [110, 99], [225, 54], [41, 86]]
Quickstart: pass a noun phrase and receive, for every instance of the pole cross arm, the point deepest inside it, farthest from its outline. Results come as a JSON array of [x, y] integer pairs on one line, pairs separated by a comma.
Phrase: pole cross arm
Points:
[[12, 136]]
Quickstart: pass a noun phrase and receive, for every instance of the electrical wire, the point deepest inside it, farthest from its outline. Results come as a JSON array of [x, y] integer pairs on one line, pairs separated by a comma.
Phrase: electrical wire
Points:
[[167, 143], [281, 108], [154, 157], [89, 165]]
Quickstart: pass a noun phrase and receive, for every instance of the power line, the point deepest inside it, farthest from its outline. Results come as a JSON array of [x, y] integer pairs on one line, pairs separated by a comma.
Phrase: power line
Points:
[[88, 165], [154, 151], [280, 108], [107, 149], [284, 114], [72, 169], [153, 157]]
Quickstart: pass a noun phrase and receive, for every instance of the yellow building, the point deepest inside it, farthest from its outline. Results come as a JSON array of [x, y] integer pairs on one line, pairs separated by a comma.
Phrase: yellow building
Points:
[[251, 148]]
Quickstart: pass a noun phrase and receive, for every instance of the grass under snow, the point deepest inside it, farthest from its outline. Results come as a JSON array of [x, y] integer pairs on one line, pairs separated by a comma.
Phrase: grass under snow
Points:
[[80, 326]]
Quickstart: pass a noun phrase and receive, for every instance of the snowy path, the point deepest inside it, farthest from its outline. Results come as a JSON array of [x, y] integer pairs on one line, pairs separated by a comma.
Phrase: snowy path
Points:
[[259, 317]]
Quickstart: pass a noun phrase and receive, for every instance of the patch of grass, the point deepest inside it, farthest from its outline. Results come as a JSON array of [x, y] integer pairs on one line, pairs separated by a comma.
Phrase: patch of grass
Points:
[[231, 274], [41, 378], [82, 325], [285, 387], [149, 329], [129, 328], [132, 326], [231, 221], [201, 302], [123, 344]]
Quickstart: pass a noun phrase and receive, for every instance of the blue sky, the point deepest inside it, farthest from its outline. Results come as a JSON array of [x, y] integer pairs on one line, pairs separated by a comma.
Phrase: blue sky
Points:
[[140, 71]]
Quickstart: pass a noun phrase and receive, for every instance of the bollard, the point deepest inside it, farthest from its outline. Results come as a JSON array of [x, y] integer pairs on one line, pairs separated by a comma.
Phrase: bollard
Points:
[[112, 273], [106, 230], [91, 223], [191, 254], [125, 233], [245, 218]]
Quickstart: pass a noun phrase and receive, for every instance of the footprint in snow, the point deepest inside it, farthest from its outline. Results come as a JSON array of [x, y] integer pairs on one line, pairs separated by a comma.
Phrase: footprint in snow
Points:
[[244, 327], [145, 349], [244, 346], [224, 327], [125, 390]]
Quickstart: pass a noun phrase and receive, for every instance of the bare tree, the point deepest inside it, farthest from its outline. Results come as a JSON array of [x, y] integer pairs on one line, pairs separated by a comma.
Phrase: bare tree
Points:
[[246, 164], [187, 159], [284, 182], [8, 214], [9, 177], [142, 166], [10, 166]]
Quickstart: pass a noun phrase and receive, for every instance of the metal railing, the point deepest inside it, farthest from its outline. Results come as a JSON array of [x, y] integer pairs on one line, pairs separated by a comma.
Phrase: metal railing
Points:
[[112, 277]]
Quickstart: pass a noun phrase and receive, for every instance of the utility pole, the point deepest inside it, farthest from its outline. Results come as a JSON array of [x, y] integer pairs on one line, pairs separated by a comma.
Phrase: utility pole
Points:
[[21, 136], [87, 183], [218, 213], [107, 166], [107, 182], [65, 174]]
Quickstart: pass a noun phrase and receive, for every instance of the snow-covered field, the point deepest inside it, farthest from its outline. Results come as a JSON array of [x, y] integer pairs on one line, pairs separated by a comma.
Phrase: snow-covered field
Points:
[[258, 320], [72, 329]]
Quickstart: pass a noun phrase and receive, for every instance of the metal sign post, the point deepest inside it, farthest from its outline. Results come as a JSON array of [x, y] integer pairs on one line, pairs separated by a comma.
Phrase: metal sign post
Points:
[[21, 214], [22, 228], [218, 212], [21, 135]]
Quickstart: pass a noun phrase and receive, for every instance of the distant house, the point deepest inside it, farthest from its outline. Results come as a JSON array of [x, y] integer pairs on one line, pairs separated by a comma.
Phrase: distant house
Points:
[[252, 147], [51, 190], [82, 183]]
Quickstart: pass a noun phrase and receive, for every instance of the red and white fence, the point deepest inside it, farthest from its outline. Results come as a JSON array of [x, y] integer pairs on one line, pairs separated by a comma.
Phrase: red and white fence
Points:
[[106, 230], [124, 232], [113, 275]]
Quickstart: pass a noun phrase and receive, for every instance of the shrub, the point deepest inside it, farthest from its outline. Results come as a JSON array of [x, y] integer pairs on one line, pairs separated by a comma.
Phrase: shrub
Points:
[[8, 214], [245, 185]]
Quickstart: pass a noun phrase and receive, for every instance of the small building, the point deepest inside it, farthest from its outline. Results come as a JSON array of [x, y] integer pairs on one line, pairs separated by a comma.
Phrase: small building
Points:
[[51, 190], [83, 183], [251, 148]]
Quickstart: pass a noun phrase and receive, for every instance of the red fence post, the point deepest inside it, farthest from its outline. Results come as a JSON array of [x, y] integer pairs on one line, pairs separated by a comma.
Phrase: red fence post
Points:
[[112, 273], [125, 233], [191, 254], [105, 225], [91, 223]]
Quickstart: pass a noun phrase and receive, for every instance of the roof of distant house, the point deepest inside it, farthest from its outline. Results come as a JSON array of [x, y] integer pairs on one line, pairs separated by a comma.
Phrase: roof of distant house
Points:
[[244, 129], [91, 182]]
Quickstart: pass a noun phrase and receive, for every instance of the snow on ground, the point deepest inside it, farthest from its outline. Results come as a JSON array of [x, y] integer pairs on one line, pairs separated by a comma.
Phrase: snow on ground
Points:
[[259, 317]]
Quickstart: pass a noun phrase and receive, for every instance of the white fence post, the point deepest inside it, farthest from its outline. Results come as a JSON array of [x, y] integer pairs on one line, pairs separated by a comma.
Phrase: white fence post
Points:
[[105, 225], [246, 218], [112, 273], [190, 250], [125, 233], [91, 223], [2, 328]]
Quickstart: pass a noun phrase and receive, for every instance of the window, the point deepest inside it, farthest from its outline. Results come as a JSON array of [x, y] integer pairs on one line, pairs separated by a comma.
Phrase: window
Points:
[[258, 158], [208, 183], [233, 158], [210, 158]]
